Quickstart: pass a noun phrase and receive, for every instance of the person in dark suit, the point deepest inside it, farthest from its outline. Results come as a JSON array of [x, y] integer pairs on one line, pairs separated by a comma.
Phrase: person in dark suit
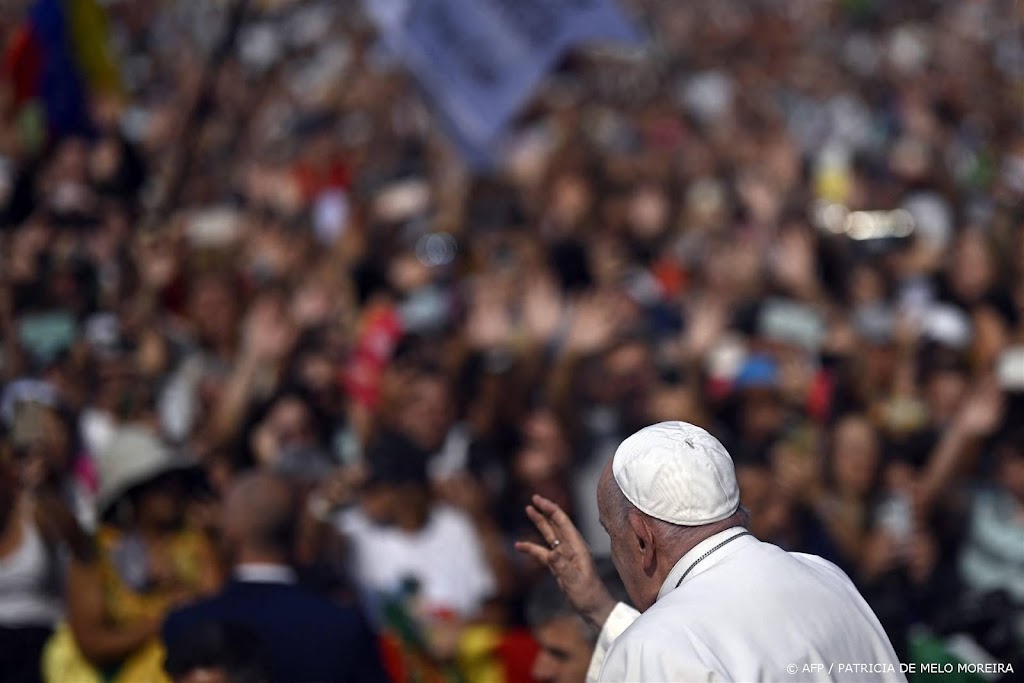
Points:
[[305, 636]]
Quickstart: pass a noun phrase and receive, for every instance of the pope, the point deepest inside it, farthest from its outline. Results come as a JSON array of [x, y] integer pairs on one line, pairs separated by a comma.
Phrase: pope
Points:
[[715, 603]]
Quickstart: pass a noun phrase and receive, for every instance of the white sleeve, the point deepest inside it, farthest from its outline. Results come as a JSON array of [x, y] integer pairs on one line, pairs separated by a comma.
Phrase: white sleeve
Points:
[[654, 659], [482, 583], [475, 582], [618, 621]]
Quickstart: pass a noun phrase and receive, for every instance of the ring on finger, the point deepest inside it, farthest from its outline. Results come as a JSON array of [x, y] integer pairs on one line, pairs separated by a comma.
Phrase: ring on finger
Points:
[[555, 543]]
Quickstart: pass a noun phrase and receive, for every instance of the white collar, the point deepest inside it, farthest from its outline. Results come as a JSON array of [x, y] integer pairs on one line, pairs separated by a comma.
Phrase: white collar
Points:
[[692, 557], [264, 572]]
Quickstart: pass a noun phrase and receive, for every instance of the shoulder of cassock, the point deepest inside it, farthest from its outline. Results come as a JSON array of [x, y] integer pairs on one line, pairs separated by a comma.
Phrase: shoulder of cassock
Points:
[[649, 651]]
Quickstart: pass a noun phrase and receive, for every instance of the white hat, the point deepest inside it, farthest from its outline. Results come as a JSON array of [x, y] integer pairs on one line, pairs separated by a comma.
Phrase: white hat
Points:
[[678, 473], [134, 456]]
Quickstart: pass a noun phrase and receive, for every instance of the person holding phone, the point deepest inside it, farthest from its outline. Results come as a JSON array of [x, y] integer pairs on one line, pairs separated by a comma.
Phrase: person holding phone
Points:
[[37, 529], [31, 530]]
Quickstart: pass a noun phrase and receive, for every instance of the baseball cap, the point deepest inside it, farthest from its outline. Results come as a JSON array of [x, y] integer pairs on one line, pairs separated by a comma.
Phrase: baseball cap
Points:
[[678, 473], [758, 372]]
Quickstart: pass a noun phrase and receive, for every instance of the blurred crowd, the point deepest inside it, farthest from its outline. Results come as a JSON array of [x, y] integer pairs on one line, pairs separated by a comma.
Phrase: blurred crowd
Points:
[[798, 224]]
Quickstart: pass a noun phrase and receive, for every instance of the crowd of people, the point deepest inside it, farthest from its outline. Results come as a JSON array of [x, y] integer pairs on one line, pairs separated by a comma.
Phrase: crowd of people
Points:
[[798, 224]]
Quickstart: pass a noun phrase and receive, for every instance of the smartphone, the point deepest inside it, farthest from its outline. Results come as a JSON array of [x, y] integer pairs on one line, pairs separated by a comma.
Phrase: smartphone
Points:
[[6, 180], [331, 212], [45, 335], [792, 323], [1010, 369], [896, 518], [131, 562], [28, 424], [425, 310]]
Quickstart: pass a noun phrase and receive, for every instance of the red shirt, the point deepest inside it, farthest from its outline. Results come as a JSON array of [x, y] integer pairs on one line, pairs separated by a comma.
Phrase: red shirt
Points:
[[312, 180]]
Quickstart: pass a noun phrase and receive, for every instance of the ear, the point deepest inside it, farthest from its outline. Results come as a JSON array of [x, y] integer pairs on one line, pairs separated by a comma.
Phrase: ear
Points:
[[644, 539]]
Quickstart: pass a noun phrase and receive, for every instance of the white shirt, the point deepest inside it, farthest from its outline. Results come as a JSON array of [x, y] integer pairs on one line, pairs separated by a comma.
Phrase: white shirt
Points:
[[749, 611], [993, 556], [27, 597], [264, 572], [446, 557]]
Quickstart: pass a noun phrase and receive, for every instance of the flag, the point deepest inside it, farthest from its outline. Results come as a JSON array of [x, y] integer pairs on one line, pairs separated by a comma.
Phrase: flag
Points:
[[479, 62], [91, 46], [59, 56], [60, 87]]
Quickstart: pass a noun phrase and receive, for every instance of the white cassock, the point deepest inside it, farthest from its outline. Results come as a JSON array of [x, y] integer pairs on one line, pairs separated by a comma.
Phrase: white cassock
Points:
[[749, 611]]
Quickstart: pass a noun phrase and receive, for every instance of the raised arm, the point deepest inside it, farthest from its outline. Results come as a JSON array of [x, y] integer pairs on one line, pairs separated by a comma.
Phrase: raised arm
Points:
[[100, 641], [268, 337], [569, 559], [978, 417]]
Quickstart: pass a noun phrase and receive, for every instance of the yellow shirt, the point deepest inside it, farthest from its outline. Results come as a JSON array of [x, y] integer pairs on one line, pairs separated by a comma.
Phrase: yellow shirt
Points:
[[179, 564], [182, 563]]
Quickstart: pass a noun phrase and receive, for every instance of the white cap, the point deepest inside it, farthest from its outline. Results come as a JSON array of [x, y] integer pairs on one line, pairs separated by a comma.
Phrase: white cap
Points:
[[678, 473]]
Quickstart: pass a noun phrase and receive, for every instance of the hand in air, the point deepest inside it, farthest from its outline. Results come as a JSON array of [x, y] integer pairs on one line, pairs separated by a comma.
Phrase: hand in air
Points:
[[568, 557]]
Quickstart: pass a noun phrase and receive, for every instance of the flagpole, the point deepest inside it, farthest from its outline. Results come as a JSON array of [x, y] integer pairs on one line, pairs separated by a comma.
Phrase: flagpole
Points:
[[173, 177]]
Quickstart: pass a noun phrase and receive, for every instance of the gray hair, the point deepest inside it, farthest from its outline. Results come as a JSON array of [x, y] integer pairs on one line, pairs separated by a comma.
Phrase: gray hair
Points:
[[676, 535], [679, 536]]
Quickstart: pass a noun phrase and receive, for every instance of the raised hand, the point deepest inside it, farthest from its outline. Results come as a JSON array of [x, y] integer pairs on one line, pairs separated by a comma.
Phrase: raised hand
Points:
[[465, 492], [982, 410], [798, 476], [269, 332], [158, 263], [593, 324], [880, 555], [569, 559], [489, 324], [795, 261], [312, 304], [707, 321], [921, 556], [340, 487], [542, 309]]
